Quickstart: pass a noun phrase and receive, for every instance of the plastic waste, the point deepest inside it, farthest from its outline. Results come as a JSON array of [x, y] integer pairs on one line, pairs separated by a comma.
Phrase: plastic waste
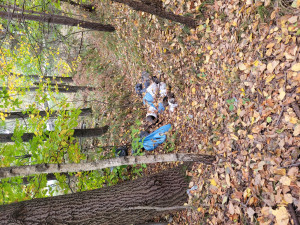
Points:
[[162, 89], [152, 89], [151, 115], [156, 137], [148, 98], [121, 151], [172, 104], [161, 108]]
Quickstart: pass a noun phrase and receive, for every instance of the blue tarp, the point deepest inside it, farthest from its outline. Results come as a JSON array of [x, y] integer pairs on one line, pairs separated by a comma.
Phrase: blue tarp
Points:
[[156, 137]]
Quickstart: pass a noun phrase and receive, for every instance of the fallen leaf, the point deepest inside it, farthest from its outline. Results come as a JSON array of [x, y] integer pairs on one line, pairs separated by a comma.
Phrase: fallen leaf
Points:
[[250, 212], [293, 172], [270, 78], [213, 182], [288, 198], [280, 171], [296, 67], [231, 208], [296, 130], [256, 129], [234, 137], [193, 91], [242, 66], [285, 180], [272, 65], [296, 4], [282, 215], [281, 94], [293, 19]]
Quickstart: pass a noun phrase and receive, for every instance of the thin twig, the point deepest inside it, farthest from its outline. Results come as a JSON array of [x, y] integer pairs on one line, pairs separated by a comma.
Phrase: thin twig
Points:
[[280, 115], [291, 165], [282, 109], [293, 214]]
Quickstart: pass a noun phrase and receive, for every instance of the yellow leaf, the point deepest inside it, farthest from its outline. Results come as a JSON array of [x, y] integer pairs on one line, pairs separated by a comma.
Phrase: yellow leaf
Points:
[[281, 94], [250, 137], [280, 171], [213, 182], [296, 67], [293, 120], [193, 91], [234, 137], [282, 215], [256, 63], [270, 78], [218, 142]]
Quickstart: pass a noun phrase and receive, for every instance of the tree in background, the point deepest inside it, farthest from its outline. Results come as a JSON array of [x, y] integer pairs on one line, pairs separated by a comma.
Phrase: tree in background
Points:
[[158, 11], [56, 19]]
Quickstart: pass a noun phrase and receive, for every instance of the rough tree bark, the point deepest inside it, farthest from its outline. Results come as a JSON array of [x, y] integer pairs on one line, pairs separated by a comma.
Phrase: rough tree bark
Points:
[[94, 132], [63, 20], [17, 115], [28, 170], [139, 6], [89, 8], [116, 205]]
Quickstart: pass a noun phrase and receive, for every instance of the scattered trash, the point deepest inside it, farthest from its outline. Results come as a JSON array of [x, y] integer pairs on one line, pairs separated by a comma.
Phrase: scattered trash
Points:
[[188, 191], [146, 81], [156, 137], [157, 99], [121, 151]]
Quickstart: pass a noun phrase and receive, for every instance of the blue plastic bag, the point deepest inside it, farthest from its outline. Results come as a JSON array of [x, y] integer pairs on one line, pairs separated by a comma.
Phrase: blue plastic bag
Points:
[[148, 98], [161, 108], [156, 137]]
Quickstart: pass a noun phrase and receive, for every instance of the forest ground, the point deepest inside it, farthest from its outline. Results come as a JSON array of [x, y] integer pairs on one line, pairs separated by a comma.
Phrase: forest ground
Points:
[[236, 80]]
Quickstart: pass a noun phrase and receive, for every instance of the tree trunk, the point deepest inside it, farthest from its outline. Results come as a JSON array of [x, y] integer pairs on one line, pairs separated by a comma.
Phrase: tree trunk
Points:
[[121, 204], [89, 8], [52, 79], [61, 88], [94, 132], [139, 6], [68, 88], [17, 115], [63, 20], [6, 172]]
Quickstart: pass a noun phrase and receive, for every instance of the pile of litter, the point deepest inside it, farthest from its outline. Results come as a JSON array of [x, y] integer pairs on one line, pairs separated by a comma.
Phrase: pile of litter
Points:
[[157, 99]]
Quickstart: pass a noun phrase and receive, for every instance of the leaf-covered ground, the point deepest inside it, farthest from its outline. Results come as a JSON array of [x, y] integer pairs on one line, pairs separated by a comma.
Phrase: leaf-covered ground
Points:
[[236, 79]]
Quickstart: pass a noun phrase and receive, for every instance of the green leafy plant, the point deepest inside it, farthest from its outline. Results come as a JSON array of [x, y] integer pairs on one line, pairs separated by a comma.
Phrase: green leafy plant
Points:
[[231, 103]]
